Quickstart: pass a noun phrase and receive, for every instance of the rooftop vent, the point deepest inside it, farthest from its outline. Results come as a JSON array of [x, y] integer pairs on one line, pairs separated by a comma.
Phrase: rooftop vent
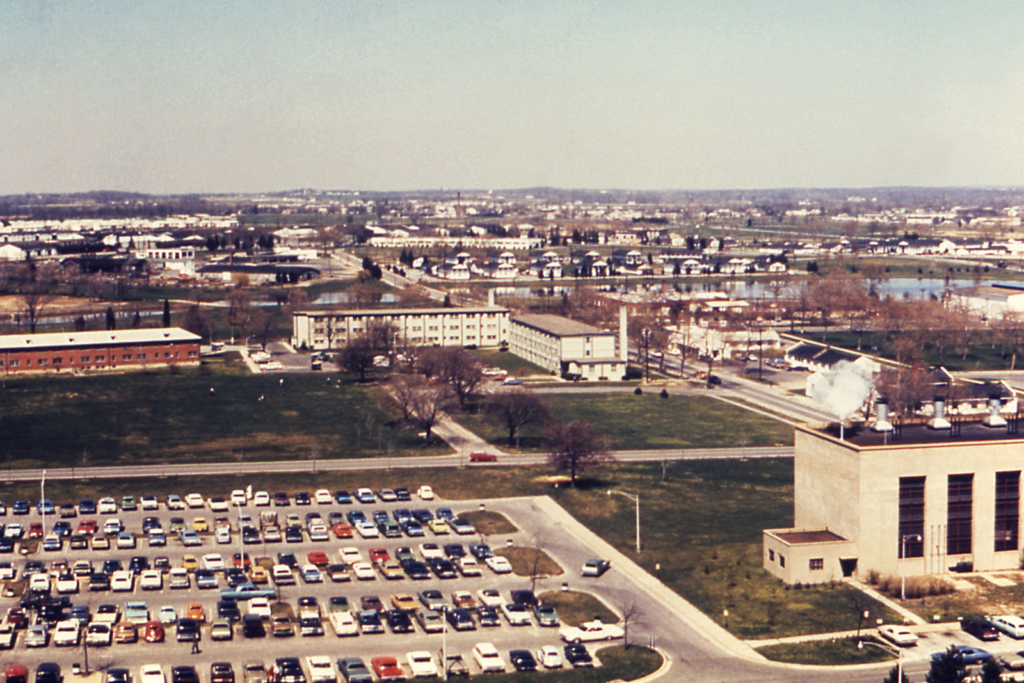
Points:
[[994, 419], [939, 420], [882, 423]]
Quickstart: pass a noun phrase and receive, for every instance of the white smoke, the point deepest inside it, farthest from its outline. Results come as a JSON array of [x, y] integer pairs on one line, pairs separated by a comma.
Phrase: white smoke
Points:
[[843, 389]]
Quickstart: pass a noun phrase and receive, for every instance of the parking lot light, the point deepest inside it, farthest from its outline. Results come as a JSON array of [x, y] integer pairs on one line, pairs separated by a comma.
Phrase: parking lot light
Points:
[[636, 499]]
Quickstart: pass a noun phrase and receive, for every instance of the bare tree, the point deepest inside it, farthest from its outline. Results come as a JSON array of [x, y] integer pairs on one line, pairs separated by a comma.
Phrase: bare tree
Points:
[[381, 334], [576, 447], [357, 357], [427, 406], [517, 408], [240, 311], [1011, 333], [631, 613], [455, 367]]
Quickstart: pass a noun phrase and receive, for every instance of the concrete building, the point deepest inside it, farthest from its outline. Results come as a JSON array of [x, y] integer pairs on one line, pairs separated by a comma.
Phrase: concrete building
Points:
[[77, 352], [945, 491], [566, 347], [485, 327]]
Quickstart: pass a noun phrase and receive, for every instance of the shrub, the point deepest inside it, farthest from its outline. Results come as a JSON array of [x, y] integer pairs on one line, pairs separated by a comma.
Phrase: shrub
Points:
[[638, 391]]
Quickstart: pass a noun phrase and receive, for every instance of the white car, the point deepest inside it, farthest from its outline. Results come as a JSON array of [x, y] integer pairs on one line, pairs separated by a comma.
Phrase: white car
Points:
[[178, 577], [343, 623], [149, 503], [122, 581], [899, 635], [425, 493], [366, 529], [7, 571], [364, 571], [350, 554], [212, 561], [590, 631], [218, 504], [261, 499], [67, 583], [238, 498], [106, 506], [499, 565], [323, 497], [194, 500], [431, 551], [260, 607], [151, 580], [113, 526], [421, 664], [320, 669], [549, 657], [517, 614], [98, 634], [490, 597], [167, 615], [222, 535], [40, 583], [174, 502], [468, 566], [487, 658], [67, 633], [151, 673]]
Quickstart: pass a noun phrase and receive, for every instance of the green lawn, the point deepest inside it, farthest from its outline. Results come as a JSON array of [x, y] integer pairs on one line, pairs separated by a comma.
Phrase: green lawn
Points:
[[829, 652], [508, 361], [617, 664], [647, 421], [166, 417]]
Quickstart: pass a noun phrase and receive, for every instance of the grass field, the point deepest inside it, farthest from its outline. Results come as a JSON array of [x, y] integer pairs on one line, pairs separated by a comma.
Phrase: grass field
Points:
[[647, 421], [617, 664], [514, 365], [828, 652], [216, 413], [529, 561], [574, 607]]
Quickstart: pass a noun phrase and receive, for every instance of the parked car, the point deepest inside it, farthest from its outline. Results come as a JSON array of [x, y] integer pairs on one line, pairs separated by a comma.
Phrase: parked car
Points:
[[982, 629], [595, 567], [590, 631]]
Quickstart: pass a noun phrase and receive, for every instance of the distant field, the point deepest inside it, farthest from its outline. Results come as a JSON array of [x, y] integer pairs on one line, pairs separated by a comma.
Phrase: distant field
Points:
[[648, 421], [167, 417]]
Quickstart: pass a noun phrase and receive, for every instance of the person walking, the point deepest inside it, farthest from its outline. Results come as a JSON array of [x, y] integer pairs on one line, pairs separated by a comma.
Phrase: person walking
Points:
[[195, 647]]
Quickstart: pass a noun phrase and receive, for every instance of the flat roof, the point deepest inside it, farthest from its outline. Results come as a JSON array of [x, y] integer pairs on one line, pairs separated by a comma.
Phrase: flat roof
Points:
[[806, 536], [53, 340], [915, 434], [558, 326], [451, 310]]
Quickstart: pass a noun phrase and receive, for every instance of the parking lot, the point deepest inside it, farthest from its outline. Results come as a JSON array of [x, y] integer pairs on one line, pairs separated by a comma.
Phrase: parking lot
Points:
[[381, 580]]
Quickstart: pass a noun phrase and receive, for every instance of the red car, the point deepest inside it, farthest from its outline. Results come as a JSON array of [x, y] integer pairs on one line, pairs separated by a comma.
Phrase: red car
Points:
[[318, 558], [153, 632], [379, 555], [483, 457], [16, 617], [238, 559], [35, 530], [342, 530], [86, 527], [387, 668]]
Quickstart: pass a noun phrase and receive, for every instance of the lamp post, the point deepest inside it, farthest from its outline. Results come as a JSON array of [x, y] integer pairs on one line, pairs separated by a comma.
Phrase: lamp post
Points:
[[893, 651], [903, 560], [42, 497], [636, 499]]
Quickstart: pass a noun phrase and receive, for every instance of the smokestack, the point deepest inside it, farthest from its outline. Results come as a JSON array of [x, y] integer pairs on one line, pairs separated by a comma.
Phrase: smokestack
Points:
[[882, 423], [490, 298], [623, 347], [994, 419], [939, 420]]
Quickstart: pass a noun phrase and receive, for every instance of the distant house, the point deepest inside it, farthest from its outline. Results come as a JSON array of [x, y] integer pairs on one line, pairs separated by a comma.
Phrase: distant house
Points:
[[546, 270], [259, 273], [452, 271]]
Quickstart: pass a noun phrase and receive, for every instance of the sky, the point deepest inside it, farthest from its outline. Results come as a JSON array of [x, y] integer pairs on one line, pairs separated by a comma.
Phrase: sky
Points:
[[175, 96]]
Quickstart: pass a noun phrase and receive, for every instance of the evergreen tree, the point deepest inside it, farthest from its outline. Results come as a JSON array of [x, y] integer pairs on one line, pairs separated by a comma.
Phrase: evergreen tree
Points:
[[167, 313], [947, 668]]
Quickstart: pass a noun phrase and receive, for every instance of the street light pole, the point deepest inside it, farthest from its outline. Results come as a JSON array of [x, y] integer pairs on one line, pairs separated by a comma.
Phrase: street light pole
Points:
[[903, 561], [636, 499]]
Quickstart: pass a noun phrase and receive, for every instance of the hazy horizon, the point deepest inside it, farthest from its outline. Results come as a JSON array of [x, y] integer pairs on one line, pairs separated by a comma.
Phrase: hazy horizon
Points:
[[217, 97]]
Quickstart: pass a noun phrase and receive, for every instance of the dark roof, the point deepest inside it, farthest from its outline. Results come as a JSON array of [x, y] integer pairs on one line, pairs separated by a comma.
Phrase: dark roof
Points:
[[803, 352], [557, 326], [799, 536], [832, 356]]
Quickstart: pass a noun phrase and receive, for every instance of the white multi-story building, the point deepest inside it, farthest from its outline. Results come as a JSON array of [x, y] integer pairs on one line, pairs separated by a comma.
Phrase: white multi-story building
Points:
[[485, 327], [566, 347]]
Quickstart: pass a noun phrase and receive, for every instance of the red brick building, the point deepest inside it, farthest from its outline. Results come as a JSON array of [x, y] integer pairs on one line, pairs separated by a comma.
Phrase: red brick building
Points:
[[114, 350]]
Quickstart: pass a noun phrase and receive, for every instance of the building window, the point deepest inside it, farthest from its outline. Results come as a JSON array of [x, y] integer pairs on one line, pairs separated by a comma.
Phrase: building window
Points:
[[192, 354], [911, 517], [85, 359], [15, 363], [1007, 510], [782, 560], [817, 564], [958, 515], [126, 356], [58, 360], [100, 359], [771, 555], [41, 361]]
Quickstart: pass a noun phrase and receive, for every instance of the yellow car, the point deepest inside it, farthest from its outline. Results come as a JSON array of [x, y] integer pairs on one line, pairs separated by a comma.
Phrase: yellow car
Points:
[[259, 575], [439, 527], [199, 524], [403, 602], [189, 562]]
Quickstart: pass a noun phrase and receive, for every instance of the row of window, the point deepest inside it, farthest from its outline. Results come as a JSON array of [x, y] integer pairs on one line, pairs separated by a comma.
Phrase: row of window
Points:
[[959, 514], [814, 564], [58, 360]]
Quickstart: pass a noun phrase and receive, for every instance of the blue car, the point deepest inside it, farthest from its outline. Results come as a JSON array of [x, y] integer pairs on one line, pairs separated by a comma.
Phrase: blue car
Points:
[[342, 497], [46, 507], [21, 507], [968, 655], [87, 506]]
